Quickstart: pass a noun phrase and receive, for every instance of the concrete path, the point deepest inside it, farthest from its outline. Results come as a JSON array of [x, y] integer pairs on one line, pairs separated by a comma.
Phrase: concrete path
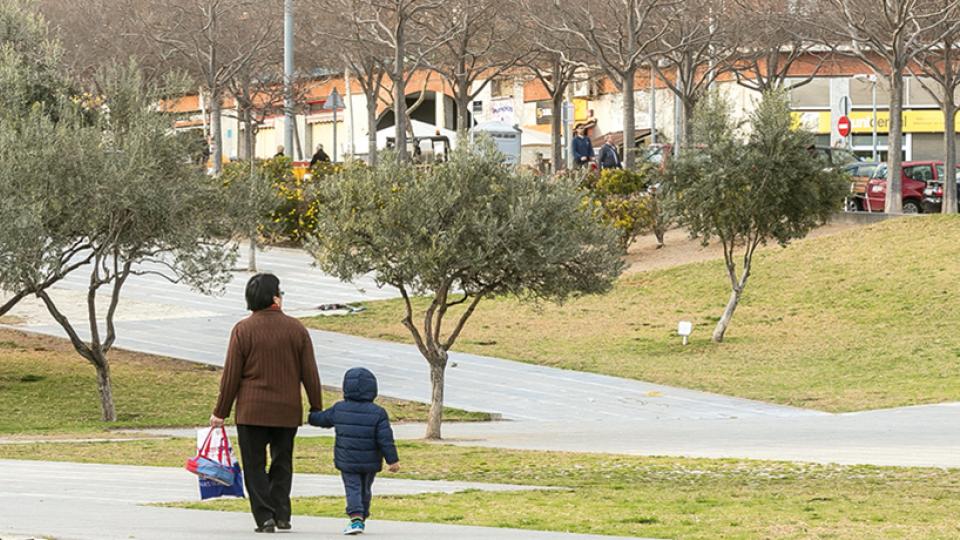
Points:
[[552, 408], [144, 485], [926, 436], [70, 501]]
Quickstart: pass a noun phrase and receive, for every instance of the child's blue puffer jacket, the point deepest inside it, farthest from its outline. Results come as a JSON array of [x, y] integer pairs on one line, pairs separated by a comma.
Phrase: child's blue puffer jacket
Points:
[[364, 436]]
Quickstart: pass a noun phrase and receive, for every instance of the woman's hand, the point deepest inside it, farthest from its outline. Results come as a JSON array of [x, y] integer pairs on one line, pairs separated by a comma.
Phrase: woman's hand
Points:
[[215, 422], [394, 467]]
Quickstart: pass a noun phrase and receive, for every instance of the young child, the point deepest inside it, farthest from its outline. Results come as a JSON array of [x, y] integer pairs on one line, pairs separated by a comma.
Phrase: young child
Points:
[[364, 440]]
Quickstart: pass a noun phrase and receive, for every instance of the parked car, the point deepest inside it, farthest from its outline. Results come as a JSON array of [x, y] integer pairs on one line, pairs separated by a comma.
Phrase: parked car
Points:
[[833, 156], [914, 177], [933, 195], [860, 173]]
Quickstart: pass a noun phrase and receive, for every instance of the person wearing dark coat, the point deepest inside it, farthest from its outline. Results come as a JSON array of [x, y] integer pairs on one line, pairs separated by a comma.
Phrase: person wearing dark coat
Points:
[[582, 149], [609, 159], [364, 440], [319, 156]]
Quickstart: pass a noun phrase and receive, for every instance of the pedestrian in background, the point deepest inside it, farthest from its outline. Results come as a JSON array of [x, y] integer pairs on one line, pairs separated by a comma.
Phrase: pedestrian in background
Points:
[[319, 156], [609, 158], [582, 149]]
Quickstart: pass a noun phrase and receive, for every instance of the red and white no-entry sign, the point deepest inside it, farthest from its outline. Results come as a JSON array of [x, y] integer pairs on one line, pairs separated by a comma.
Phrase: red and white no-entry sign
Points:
[[843, 126]]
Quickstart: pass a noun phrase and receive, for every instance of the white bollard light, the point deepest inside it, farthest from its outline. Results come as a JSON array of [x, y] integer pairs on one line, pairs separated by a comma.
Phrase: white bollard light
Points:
[[684, 329]]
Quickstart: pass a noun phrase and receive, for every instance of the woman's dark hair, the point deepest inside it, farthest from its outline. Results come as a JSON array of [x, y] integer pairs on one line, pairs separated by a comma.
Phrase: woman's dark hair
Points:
[[260, 291]]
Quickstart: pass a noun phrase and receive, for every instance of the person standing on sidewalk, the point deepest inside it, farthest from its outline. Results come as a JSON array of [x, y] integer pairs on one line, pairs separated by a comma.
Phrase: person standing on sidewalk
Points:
[[609, 158], [582, 149], [270, 355]]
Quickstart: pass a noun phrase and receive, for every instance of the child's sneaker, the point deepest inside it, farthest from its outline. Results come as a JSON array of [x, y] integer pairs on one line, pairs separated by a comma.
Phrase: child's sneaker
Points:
[[355, 527]]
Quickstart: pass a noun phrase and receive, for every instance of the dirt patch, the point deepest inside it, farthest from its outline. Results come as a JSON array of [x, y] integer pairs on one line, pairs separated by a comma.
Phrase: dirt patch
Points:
[[680, 249], [62, 348], [73, 304]]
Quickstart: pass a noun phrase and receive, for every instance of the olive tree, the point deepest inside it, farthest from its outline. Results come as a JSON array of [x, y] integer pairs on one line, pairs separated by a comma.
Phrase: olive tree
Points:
[[127, 202], [747, 193], [459, 232]]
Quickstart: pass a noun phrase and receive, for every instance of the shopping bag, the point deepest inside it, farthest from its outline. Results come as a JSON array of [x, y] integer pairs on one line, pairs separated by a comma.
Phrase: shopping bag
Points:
[[215, 465]]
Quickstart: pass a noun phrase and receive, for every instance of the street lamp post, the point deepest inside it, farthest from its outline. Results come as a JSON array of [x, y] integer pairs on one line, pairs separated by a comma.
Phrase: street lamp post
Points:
[[872, 79], [653, 104], [288, 69], [874, 92]]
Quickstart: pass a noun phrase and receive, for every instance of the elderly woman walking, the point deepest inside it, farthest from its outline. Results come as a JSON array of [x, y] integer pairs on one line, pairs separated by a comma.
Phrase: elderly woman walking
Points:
[[269, 356]]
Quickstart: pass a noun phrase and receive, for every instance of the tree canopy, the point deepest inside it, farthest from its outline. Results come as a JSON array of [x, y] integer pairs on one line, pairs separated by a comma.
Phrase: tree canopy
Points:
[[746, 193], [459, 232]]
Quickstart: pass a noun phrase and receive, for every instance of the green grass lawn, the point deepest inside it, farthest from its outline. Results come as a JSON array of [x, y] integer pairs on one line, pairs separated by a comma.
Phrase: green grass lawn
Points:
[[45, 387], [610, 494], [860, 320]]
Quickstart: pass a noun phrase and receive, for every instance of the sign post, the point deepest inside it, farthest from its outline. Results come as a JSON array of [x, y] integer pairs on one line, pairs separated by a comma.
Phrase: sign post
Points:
[[334, 102]]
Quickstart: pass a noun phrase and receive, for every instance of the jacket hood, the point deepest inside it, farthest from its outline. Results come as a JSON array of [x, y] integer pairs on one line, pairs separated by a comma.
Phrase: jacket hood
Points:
[[359, 384]]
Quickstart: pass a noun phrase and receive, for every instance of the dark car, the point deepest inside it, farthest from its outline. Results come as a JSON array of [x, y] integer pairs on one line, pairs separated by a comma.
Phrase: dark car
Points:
[[933, 195], [860, 173], [834, 156]]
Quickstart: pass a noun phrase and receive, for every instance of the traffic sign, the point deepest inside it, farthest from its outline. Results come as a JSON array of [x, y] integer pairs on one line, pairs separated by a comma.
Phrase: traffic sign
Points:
[[333, 102], [843, 126]]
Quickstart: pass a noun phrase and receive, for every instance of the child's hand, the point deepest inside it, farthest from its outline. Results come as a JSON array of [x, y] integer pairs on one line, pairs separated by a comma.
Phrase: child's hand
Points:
[[394, 467]]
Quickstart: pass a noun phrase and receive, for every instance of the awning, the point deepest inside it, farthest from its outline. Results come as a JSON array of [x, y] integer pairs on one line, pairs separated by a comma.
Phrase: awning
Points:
[[617, 138]]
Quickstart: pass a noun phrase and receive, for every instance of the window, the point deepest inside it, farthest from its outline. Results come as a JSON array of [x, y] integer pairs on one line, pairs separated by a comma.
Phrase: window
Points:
[[865, 170], [917, 95], [501, 87], [861, 94], [814, 94], [922, 173]]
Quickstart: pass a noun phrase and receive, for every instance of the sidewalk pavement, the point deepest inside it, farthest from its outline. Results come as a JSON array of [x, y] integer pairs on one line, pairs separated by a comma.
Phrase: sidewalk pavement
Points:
[[924, 436], [72, 501]]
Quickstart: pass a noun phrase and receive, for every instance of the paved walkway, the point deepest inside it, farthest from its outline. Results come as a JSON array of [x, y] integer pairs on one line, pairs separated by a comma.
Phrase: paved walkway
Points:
[[551, 408], [70, 501]]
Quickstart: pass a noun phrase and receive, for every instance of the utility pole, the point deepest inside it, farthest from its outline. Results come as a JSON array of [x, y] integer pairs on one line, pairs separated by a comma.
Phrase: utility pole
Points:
[[288, 74], [348, 111], [653, 103]]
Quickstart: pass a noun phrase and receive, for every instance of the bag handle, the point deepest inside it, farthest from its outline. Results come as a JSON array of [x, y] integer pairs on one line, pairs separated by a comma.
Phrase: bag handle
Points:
[[224, 446], [204, 450]]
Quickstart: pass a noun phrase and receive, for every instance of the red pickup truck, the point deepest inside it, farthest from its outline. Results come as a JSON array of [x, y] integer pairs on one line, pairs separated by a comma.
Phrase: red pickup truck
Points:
[[913, 179]]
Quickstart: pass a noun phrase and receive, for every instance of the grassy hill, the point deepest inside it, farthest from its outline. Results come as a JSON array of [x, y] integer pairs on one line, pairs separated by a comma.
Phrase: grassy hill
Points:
[[865, 319], [46, 388]]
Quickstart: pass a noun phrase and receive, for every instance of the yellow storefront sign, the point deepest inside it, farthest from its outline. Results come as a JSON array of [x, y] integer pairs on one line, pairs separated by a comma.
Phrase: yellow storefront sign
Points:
[[581, 110], [920, 121]]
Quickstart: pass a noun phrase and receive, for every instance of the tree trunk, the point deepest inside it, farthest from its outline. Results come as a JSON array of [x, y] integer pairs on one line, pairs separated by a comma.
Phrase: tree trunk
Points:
[[629, 120], [216, 106], [463, 112], [950, 140], [724, 321], [107, 410], [400, 94], [659, 221], [556, 131], [400, 118], [372, 129], [894, 200], [436, 399], [689, 104]]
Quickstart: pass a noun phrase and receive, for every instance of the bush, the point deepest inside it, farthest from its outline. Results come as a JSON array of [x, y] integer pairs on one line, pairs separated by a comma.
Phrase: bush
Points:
[[628, 201], [275, 202]]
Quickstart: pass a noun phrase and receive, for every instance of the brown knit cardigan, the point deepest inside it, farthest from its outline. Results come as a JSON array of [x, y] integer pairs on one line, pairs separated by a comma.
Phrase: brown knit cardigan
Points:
[[269, 356]]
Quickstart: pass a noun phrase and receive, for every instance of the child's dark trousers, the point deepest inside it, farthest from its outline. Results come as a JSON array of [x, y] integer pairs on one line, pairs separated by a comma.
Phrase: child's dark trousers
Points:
[[358, 487]]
